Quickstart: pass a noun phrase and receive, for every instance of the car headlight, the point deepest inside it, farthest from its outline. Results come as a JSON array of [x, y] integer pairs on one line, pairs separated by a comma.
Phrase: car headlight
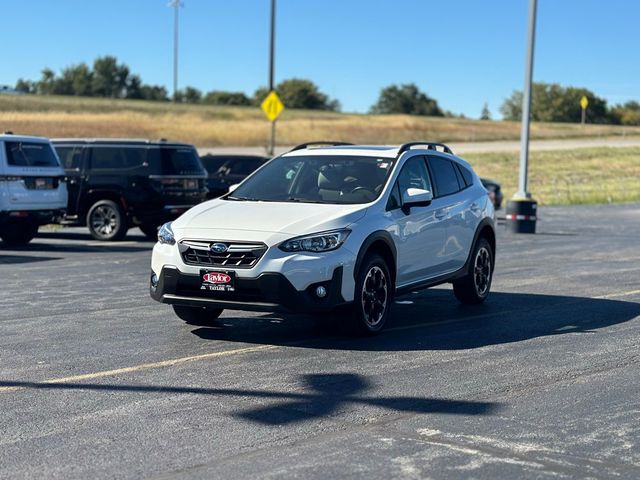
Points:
[[317, 242], [165, 234]]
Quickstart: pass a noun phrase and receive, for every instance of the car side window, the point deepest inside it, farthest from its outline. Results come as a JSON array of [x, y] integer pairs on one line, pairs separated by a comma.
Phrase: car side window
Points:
[[444, 176], [466, 174], [115, 158], [414, 174], [69, 157]]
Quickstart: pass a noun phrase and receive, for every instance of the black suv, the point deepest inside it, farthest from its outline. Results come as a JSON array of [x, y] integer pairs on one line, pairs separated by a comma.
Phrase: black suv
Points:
[[226, 170], [118, 184]]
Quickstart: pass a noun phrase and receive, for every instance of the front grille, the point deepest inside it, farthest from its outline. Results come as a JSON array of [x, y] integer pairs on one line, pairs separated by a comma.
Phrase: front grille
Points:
[[238, 254]]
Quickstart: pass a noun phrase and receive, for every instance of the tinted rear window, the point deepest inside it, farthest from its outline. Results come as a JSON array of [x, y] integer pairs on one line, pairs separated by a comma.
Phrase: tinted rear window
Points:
[[177, 161], [212, 164], [115, 158], [468, 177], [444, 176], [69, 157], [28, 154]]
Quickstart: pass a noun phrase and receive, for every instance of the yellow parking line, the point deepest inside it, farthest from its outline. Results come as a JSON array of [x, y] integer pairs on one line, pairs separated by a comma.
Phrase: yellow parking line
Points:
[[147, 366]]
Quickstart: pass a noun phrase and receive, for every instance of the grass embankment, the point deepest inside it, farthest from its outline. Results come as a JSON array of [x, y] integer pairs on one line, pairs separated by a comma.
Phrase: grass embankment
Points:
[[211, 126], [581, 176]]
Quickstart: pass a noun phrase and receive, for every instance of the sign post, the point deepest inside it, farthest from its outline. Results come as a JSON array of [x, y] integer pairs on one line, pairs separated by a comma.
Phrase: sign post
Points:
[[584, 103]]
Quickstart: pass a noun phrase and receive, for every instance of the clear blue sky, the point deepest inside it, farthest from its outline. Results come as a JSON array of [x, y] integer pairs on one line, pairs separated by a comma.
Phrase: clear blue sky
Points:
[[461, 52]]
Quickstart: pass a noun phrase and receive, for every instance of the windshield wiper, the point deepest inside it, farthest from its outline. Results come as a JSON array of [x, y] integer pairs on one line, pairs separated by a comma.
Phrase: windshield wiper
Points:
[[302, 200], [243, 199]]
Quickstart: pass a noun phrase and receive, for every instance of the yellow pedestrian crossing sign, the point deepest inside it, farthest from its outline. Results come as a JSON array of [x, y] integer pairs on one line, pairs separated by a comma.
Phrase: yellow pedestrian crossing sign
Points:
[[584, 102], [272, 106]]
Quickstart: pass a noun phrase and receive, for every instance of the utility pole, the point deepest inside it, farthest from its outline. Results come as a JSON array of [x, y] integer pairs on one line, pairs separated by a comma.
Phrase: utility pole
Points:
[[272, 39], [521, 210], [175, 4]]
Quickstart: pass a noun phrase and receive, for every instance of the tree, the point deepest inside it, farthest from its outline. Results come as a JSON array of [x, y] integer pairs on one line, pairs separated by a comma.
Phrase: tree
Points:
[[406, 99], [109, 78], [154, 92], [554, 103], [299, 93], [75, 80], [486, 113], [192, 95], [624, 114], [219, 97], [46, 85], [25, 86], [134, 87]]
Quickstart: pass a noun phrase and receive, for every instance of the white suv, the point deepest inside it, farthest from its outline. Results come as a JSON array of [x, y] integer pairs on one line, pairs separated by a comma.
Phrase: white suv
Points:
[[32, 187], [340, 225]]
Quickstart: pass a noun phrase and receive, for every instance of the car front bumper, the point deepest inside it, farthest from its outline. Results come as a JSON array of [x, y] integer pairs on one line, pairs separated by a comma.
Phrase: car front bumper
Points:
[[267, 292]]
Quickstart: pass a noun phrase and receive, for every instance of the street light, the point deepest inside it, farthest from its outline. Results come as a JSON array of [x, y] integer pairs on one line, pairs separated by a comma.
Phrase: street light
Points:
[[175, 4], [522, 210]]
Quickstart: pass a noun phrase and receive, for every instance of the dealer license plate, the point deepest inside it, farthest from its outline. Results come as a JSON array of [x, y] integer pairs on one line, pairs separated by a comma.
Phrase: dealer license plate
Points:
[[217, 281]]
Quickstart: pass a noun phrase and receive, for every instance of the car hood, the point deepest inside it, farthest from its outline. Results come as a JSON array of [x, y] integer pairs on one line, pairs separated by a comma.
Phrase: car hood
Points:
[[268, 222]]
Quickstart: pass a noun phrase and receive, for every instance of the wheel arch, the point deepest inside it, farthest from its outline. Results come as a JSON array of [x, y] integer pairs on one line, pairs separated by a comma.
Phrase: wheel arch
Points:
[[381, 243]]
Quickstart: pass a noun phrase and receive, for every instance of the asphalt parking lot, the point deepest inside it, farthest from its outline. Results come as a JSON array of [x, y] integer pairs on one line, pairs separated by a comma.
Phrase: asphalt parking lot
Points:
[[97, 380]]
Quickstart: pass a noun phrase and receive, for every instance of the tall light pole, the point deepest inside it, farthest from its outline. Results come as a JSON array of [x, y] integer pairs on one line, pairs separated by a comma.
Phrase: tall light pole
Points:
[[522, 210], [175, 4], [272, 40]]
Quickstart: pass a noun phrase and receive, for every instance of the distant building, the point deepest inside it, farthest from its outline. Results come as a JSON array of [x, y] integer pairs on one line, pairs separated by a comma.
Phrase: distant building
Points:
[[9, 90]]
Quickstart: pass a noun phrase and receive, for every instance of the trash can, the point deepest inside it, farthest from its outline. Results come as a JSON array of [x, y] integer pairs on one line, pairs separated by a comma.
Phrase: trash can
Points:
[[521, 215]]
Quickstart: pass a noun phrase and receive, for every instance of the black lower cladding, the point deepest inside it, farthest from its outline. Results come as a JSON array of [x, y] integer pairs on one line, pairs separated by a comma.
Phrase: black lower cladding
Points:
[[266, 292]]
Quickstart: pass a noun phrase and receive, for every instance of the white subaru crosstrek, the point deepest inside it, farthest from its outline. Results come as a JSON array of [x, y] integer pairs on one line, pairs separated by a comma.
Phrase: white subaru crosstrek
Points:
[[340, 225]]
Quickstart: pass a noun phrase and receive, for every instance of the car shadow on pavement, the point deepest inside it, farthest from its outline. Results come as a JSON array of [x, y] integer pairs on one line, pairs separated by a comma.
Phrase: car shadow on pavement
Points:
[[320, 396], [19, 259], [433, 320], [111, 247]]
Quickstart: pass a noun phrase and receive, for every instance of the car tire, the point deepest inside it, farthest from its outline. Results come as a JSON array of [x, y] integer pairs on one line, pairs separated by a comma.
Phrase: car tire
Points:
[[107, 221], [19, 232], [474, 287], [150, 230], [373, 296], [197, 315]]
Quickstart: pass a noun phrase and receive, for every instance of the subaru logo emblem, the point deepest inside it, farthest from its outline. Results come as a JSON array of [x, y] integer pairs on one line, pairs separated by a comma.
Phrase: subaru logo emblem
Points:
[[218, 247]]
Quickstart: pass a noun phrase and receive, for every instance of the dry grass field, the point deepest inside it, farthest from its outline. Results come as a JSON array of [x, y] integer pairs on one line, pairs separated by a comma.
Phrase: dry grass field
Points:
[[211, 126], [580, 176]]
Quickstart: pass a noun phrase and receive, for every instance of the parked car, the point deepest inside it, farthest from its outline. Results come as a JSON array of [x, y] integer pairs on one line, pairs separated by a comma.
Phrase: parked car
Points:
[[32, 188], [118, 184], [495, 191], [227, 170], [337, 226]]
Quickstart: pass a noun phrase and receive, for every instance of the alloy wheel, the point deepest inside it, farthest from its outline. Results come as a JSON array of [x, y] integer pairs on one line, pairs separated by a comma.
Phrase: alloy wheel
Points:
[[482, 271], [374, 296]]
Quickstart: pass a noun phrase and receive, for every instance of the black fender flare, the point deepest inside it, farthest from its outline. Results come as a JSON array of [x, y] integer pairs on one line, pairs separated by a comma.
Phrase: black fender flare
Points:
[[379, 235], [485, 222]]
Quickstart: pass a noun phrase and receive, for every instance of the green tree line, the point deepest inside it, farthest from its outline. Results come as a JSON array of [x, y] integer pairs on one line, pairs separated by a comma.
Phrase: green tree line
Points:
[[108, 78]]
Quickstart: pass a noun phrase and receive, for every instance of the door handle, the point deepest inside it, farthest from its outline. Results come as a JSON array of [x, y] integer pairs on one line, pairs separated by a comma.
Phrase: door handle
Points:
[[474, 207], [440, 214]]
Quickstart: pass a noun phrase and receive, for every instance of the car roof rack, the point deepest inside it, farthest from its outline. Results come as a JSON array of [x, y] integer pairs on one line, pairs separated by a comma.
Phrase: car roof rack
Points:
[[302, 146], [430, 146]]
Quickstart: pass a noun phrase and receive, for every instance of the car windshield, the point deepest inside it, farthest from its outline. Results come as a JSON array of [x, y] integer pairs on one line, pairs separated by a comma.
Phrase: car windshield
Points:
[[23, 154], [333, 179]]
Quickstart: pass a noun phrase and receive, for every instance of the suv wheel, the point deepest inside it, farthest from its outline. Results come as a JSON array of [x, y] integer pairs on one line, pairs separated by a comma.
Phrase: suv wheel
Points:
[[106, 221], [373, 295], [474, 287], [150, 230], [197, 315], [19, 232]]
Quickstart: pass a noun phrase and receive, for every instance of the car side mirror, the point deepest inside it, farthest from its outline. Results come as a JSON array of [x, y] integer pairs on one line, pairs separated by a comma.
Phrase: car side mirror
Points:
[[233, 187], [416, 197]]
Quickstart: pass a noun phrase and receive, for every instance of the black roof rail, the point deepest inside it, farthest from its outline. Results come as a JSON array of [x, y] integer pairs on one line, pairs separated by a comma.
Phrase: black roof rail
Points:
[[302, 146], [430, 146]]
